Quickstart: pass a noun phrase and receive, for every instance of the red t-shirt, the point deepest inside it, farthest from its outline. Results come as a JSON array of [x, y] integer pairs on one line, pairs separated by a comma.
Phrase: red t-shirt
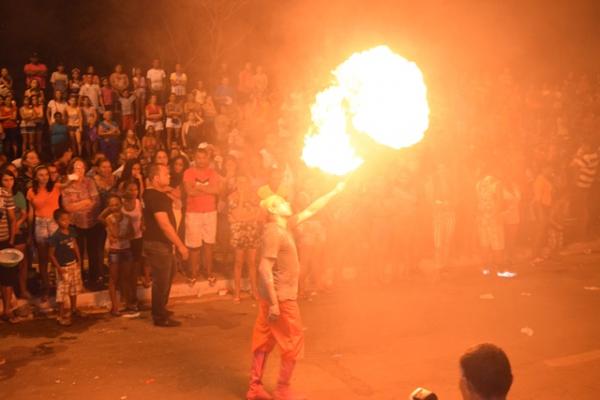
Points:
[[6, 111], [37, 70], [201, 203]]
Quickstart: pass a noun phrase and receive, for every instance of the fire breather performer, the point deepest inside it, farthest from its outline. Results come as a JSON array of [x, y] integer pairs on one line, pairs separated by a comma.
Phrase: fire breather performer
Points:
[[278, 320]]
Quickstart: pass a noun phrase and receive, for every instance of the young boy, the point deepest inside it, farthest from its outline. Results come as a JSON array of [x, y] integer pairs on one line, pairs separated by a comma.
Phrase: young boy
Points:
[[64, 255]]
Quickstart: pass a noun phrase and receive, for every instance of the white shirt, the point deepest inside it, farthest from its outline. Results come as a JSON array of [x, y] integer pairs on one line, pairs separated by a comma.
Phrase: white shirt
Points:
[[92, 92], [156, 76], [178, 89], [54, 107]]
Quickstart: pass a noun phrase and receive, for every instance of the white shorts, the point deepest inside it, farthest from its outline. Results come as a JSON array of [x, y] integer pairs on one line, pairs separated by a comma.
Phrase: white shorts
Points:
[[172, 124], [158, 125], [200, 228]]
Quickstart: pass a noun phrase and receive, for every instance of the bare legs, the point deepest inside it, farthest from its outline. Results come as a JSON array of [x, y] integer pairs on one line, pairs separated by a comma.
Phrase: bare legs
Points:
[[43, 264], [247, 256]]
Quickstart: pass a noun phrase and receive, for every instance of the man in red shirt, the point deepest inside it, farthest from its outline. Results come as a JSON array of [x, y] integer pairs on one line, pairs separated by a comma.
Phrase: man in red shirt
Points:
[[278, 321], [35, 71], [201, 184]]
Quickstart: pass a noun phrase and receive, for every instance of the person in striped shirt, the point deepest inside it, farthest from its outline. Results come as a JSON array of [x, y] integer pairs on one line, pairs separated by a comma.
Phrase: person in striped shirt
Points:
[[585, 169]]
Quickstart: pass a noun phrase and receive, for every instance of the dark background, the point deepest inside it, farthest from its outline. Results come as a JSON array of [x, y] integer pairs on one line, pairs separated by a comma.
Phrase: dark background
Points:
[[294, 39]]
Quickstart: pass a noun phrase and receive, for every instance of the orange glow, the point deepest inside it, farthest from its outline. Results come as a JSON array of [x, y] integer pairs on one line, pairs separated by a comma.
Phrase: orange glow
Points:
[[375, 92]]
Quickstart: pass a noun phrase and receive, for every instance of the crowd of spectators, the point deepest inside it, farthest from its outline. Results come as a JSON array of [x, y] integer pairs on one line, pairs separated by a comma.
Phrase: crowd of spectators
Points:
[[507, 172]]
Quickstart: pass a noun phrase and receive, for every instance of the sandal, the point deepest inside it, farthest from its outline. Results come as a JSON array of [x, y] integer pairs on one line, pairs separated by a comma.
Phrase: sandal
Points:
[[212, 280], [237, 300], [115, 313], [64, 321]]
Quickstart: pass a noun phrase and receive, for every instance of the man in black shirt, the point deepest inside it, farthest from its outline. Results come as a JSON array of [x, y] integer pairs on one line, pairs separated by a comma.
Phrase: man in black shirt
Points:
[[159, 238]]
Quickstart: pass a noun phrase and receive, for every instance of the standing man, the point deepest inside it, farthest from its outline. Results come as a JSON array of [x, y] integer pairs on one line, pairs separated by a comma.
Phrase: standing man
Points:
[[201, 184], [278, 320], [159, 238], [156, 76], [35, 70]]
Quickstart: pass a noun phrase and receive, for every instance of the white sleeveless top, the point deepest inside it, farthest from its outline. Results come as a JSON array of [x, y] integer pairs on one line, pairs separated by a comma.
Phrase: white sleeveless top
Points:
[[135, 216]]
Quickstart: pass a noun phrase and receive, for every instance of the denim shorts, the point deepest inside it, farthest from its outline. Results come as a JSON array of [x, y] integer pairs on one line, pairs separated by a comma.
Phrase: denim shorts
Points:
[[119, 256], [44, 228]]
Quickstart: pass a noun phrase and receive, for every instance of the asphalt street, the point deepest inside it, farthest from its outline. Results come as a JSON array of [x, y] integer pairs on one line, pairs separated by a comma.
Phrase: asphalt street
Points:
[[361, 342]]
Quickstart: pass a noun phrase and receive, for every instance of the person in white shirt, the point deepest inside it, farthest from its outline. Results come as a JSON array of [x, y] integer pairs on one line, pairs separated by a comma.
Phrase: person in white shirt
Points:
[[156, 76], [91, 91], [58, 104], [178, 82]]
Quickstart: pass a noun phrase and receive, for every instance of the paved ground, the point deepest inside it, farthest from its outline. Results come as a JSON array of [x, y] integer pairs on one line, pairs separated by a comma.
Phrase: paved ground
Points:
[[361, 344]]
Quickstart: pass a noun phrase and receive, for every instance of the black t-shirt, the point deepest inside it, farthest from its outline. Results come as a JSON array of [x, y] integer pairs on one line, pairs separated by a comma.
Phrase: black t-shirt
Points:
[[155, 201], [64, 246]]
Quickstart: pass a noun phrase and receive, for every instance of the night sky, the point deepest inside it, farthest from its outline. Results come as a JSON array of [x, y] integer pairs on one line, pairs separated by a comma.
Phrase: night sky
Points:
[[550, 36]]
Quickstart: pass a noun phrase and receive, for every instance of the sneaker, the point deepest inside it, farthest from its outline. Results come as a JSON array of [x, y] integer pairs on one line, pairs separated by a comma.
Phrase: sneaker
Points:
[[130, 314]]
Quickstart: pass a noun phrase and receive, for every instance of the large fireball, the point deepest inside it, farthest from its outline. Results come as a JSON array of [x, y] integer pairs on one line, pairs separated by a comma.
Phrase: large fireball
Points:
[[375, 92]]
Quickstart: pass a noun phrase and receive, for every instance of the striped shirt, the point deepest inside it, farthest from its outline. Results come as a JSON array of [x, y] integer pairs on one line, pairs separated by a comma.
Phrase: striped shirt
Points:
[[587, 168], [7, 204]]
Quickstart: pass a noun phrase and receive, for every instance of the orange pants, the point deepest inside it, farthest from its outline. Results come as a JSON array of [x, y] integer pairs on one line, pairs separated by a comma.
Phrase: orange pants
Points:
[[286, 331]]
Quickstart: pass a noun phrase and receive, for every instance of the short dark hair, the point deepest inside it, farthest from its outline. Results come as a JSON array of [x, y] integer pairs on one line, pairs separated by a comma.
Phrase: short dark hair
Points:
[[59, 212], [154, 170], [113, 196], [487, 369]]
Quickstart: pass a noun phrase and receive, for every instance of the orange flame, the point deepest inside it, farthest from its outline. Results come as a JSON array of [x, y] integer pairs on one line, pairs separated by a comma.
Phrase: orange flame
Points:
[[378, 93]]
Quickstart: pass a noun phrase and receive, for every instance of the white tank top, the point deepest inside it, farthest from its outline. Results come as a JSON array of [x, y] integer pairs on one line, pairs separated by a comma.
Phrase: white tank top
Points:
[[135, 216]]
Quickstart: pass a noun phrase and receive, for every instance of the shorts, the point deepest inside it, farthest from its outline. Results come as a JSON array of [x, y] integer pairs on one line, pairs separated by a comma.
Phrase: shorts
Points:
[[27, 129], [137, 249], [200, 228], [44, 228], [119, 256], [157, 125], [73, 129], [70, 284], [127, 123], [21, 238], [173, 123], [244, 235], [491, 234]]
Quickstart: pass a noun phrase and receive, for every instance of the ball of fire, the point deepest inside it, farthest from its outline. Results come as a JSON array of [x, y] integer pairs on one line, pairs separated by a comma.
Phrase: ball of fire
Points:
[[376, 93]]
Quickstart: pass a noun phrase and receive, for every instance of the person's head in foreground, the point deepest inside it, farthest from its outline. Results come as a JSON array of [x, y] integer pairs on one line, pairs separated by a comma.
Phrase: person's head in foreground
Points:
[[485, 373], [276, 205]]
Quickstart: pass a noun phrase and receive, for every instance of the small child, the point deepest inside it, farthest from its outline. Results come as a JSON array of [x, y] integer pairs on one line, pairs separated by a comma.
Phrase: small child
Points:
[[64, 255], [120, 232]]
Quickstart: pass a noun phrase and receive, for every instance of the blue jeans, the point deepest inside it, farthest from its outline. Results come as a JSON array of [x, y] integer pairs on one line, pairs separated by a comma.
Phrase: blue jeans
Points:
[[160, 257]]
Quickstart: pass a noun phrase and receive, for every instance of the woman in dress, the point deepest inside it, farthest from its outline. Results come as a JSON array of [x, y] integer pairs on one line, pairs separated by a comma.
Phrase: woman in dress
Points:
[[244, 214], [74, 124], [174, 113], [27, 115]]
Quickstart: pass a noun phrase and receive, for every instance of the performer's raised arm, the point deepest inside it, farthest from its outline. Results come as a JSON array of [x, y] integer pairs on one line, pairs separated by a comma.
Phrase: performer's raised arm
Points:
[[316, 206]]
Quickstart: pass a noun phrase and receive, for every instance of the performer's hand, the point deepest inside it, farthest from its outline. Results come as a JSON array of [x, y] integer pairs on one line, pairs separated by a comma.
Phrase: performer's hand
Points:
[[273, 312]]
